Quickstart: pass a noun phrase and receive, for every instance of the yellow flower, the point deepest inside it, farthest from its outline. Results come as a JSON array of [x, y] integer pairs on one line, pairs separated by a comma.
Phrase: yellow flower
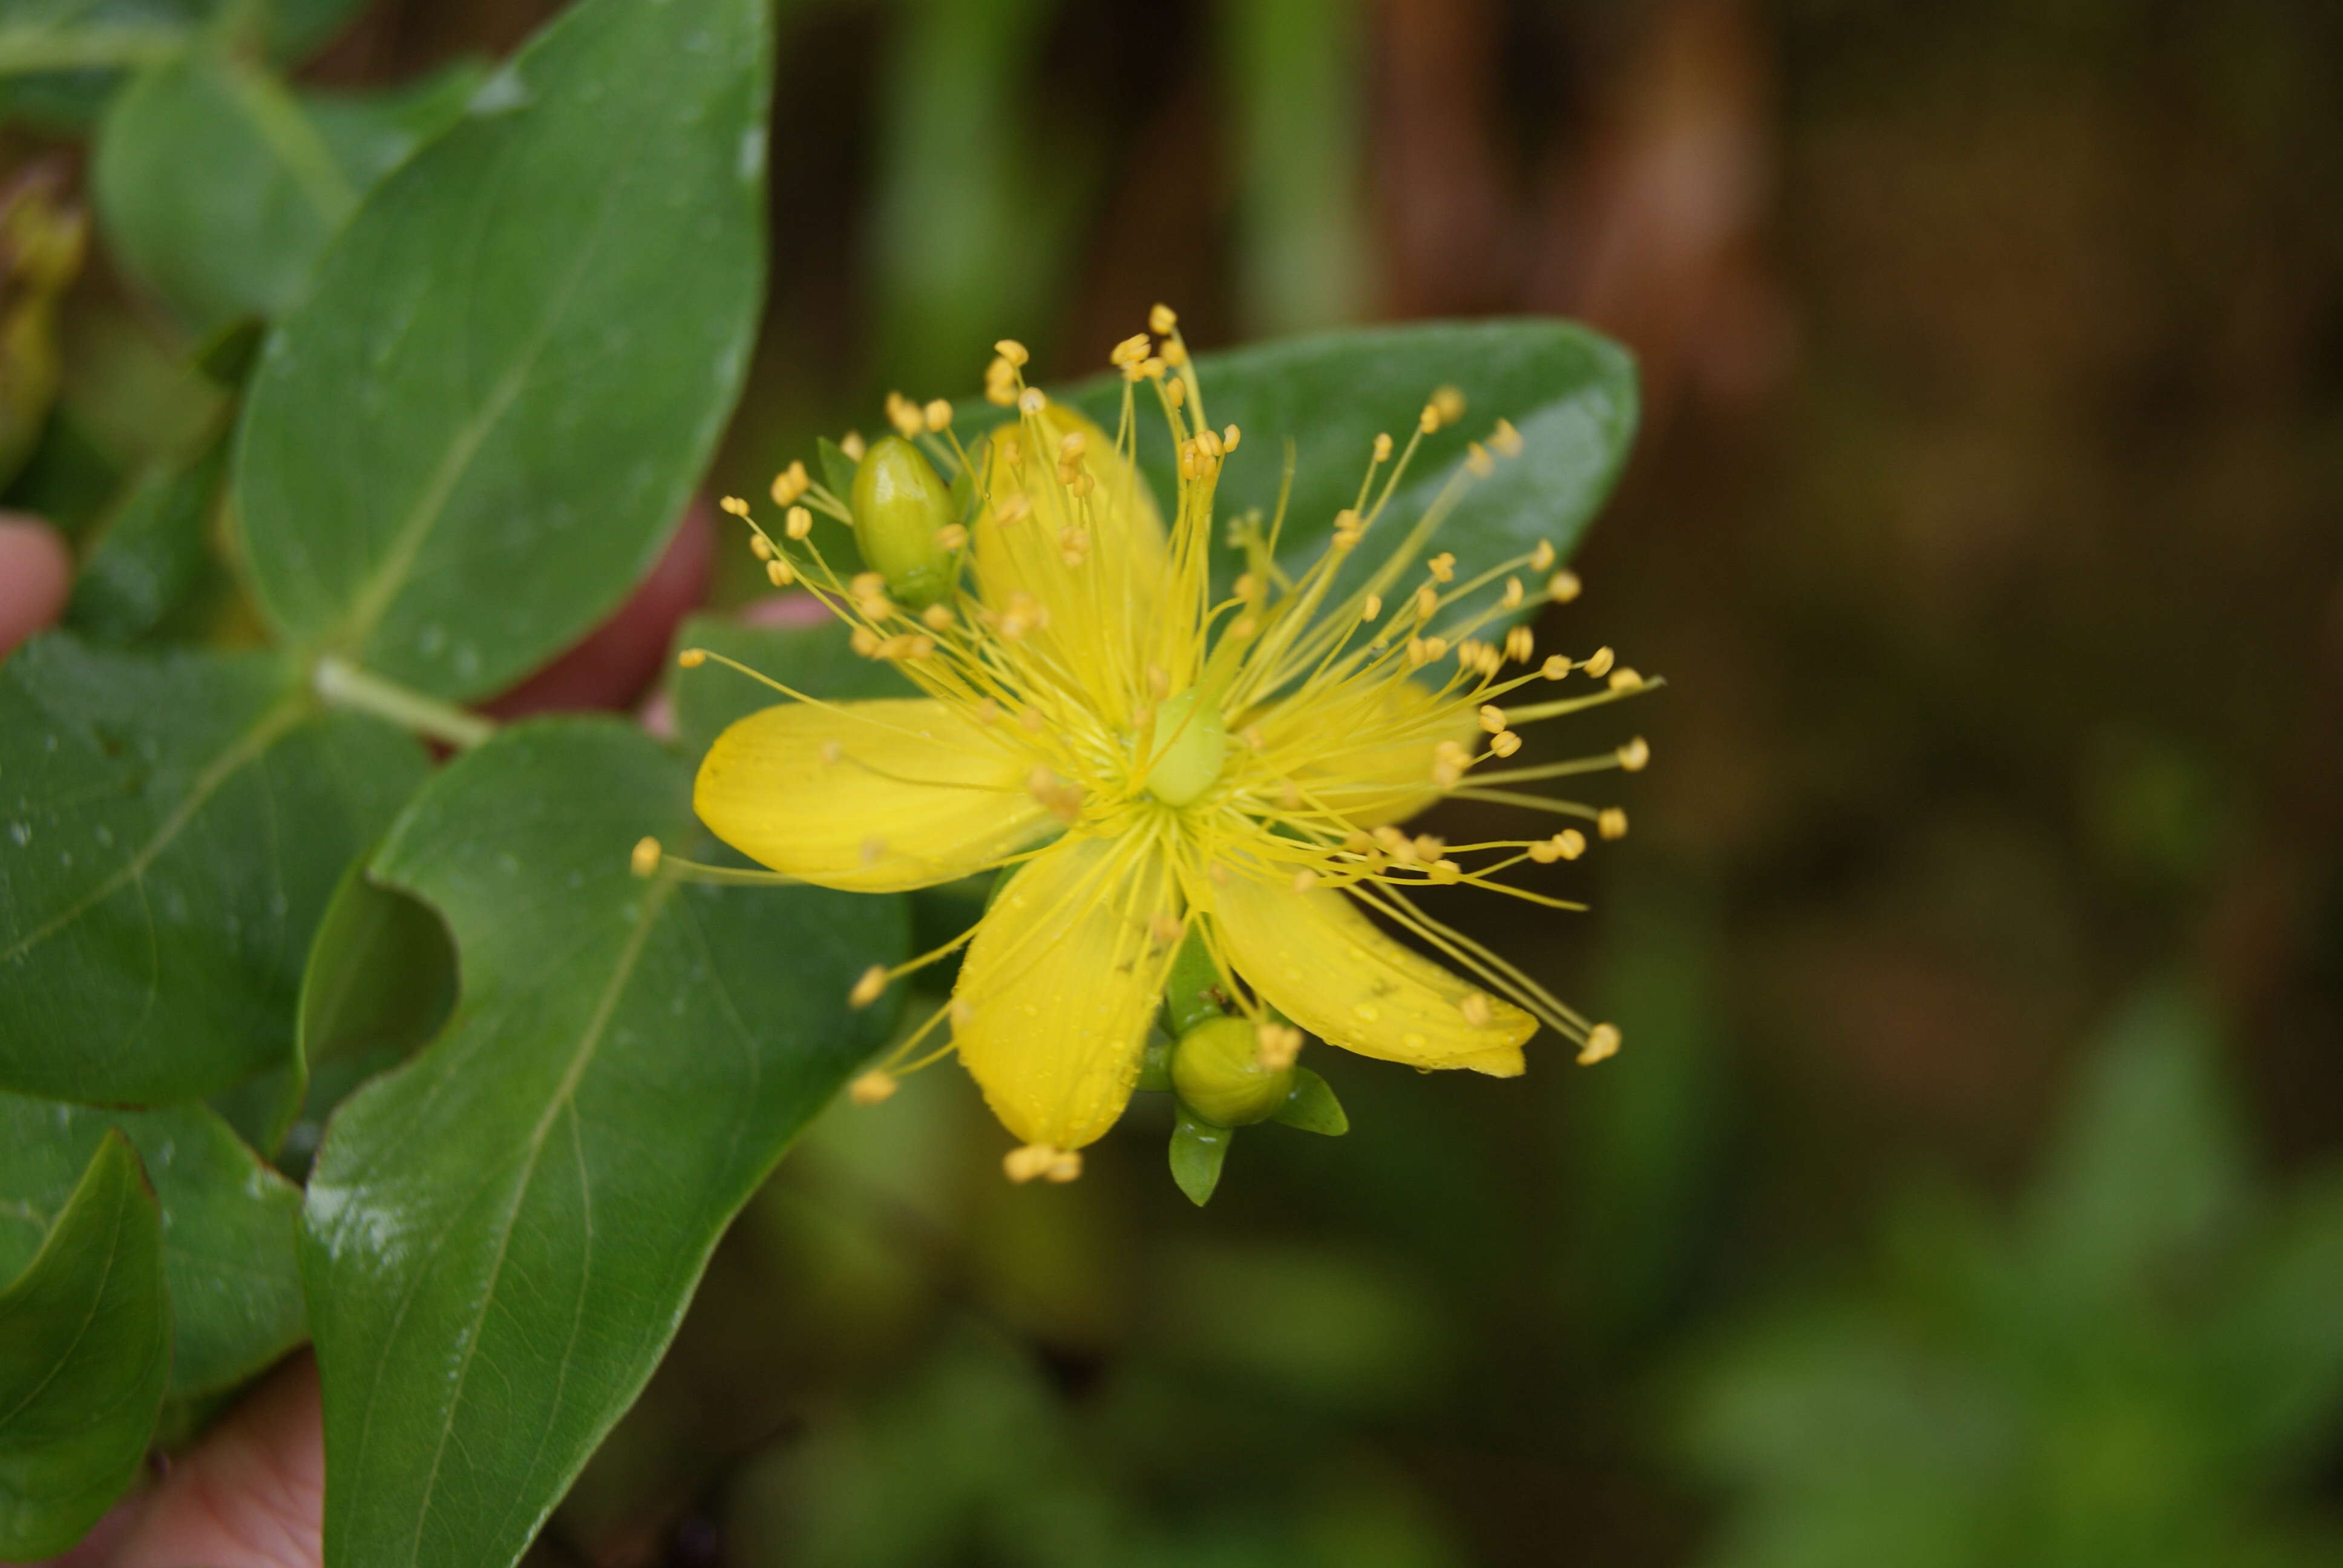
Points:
[[1156, 764]]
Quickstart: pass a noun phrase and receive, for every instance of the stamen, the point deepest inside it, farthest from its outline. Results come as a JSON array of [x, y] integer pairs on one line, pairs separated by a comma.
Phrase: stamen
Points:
[[1612, 823], [1601, 1043], [645, 859], [872, 1088], [866, 990]]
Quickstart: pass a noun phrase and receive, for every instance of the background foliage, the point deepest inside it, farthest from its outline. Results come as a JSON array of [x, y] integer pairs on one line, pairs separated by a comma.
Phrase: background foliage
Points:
[[1966, 1193]]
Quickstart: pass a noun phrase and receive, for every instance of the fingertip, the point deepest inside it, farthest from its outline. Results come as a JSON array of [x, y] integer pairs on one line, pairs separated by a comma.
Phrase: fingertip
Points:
[[252, 1494], [36, 578]]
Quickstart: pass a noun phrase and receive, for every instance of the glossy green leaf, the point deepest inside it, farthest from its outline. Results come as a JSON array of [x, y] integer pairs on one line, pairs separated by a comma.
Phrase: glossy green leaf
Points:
[[281, 174], [227, 1226], [815, 659], [379, 983], [500, 1236], [1569, 390], [1199, 1148], [1311, 1106], [149, 552], [170, 828], [84, 1350], [477, 429]]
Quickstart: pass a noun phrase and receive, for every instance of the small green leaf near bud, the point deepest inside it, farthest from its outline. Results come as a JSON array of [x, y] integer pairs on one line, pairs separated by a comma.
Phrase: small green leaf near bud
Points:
[[1192, 993], [1310, 1106], [1198, 1148], [837, 469], [900, 506], [1217, 1069]]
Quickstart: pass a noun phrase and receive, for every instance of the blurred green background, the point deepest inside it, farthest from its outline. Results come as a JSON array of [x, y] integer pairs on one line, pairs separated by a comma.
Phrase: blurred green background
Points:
[[1968, 1189]]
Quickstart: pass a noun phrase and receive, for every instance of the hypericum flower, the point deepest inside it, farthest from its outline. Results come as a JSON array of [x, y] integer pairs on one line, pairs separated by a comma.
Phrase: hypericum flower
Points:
[[1160, 765]]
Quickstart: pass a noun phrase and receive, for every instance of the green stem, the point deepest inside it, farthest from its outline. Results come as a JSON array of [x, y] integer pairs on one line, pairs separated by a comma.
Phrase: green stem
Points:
[[353, 690], [24, 51]]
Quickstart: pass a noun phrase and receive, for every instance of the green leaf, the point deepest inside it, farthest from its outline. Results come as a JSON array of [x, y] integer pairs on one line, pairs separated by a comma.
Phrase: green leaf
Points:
[[815, 659], [84, 1350], [500, 1236], [837, 469], [61, 59], [281, 175], [478, 427], [2277, 1345], [149, 553], [379, 983], [170, 828], [2151, 1163], [1570, 391], [1198, 1148], [227, 1226], [1311, 1106]]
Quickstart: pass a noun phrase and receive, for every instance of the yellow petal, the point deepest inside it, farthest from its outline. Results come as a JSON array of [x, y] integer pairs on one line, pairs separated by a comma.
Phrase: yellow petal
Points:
[[1097, 612], [873, 797], [1058, 989], [1317, 959], [1381, 771]]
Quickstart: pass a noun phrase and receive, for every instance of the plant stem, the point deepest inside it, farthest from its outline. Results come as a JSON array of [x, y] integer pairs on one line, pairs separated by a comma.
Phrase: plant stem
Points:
[[352, 689], [26, 50]]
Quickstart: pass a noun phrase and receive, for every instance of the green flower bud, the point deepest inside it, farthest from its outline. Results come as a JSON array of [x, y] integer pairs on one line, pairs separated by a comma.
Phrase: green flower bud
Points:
[[901, 510], [1217, 1069]]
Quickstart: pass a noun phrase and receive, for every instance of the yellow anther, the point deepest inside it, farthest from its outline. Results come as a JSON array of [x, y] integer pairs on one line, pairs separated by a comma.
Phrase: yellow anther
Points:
[[872, 1088], [1505, 743], [1475, 1008], [1371, 607], [1561, 588], [1601, 1043], [851, 445], [863, 641], [789, 483], [1507, 441], [1544, 852], [1161, 319], [692, 657], [1031, 401], [1477, 459], [1253, 739], [796, 522], [1014, 507], [1633, 755], [1612, 823], [1009, 348], [1023, 1165], [866, 989], [937, 617], [1446, 873], [734, 505], [1513, 592], [1554, 668], [1382, 447], [761, 547], [1230, 437], [1542, 557], [1065, 1166], [1520, 643], [1243, 626], [1165, 928], [1131, 350], [1449, 403], [904, 415], [1427, 601], [1175, 392], [1624, 679], [1428, 420], [867, 584], [1175, 353], [779, 573], [1304, 879], [937, 414], [1570, 843], [1600, 662], [1492, 718], [1443, 567], [1278, 1044], [1429, 846], [645, 860]]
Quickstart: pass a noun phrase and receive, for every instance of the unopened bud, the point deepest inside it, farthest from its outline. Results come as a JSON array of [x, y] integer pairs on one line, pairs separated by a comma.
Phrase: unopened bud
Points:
[[900, 506], [1219, 1069]]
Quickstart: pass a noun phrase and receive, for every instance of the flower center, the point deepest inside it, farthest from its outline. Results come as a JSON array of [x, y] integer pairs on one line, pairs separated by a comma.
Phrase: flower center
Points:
[[1190, 744]]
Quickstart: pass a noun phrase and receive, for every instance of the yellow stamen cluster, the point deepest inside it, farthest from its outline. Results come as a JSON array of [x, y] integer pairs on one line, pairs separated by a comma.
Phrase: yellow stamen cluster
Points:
[[1273, 734]]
